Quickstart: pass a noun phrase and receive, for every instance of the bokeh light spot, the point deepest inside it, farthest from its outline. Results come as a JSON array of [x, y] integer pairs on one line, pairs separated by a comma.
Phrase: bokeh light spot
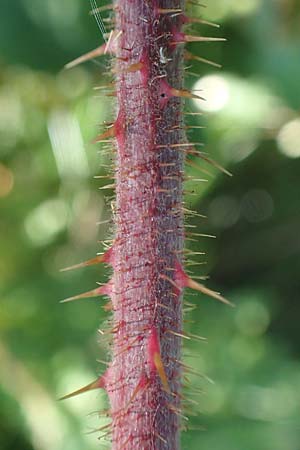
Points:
[[215, 91], [6, 181], [224, 211], [288, 139], [266, 403], [252, 318], [46, 221], [67, 145]]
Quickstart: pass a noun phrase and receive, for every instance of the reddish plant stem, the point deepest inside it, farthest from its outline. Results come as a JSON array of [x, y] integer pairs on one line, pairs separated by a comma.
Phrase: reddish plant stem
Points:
[[145, 406]]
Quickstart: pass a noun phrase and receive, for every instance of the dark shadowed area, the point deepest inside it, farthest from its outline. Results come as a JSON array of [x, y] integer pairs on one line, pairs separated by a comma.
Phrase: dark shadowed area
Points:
[[244, 389]]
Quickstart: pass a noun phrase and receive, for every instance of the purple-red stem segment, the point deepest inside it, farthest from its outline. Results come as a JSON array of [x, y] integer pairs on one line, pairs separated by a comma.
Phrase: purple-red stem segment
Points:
[[143, 380]]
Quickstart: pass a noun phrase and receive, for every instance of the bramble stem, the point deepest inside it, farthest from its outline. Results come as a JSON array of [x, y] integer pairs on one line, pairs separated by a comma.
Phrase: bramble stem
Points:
[[144, 378]]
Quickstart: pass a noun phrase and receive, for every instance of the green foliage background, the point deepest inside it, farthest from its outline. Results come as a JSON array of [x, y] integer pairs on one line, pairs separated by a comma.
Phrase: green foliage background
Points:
[[50, 204]]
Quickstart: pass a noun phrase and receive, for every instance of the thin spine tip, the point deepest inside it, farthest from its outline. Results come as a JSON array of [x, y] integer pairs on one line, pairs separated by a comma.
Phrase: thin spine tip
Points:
[[192, 284], [99, 51], [98, 259], [89, 294], [190, 56], [215, 164], [191, 38], [201, 21], [169, 10], [99, 383]]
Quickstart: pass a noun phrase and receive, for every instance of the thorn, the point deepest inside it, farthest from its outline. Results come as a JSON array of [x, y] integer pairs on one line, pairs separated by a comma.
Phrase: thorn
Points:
[[183, 280], [201, 21], [194, 213], [105, 289], [135, 67], [169, 10], [189, 369], [99, 51], [105, 86], [109, 41], [160, 438], [194, 127], [112, 37], [204, 290], [217, 165], [180, 144], [190, 38], [184, 93], [176, 411], [191, 233], [140, 387], [130, 69], [105, 258], [99, 383], [109, 133], [103, 428], [208, 160], [108, 186], [193, 113], [161, 305], [156, 364], [165, 277], [109, 20], [167, 91], [181, 335], [101, 9], [90, 262], [190, 56], [192, 164]]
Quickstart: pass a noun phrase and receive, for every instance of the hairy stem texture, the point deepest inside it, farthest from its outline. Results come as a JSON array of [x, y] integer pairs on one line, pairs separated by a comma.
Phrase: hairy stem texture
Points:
[[144, 378]]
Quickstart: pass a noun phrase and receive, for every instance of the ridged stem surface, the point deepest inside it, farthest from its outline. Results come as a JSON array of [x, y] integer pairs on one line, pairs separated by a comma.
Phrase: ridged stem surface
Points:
[[149, 227]]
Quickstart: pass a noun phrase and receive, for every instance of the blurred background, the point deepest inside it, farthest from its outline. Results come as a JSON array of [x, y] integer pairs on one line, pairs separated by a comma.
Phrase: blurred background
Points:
[[53, 214]]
